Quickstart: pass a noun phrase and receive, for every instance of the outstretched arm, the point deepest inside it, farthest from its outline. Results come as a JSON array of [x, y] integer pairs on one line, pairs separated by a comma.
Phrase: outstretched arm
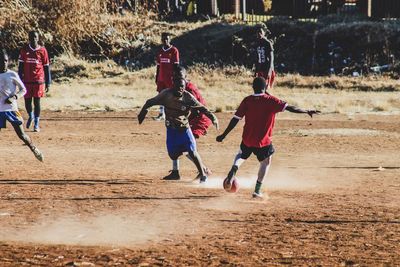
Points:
[[232, 124], [294, 109], [209, 114], [149, 103]]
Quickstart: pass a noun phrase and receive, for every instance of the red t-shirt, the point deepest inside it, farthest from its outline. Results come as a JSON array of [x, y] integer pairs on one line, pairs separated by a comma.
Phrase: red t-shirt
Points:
[[34, 61], [166, 59], [192, 88], [259, 111]]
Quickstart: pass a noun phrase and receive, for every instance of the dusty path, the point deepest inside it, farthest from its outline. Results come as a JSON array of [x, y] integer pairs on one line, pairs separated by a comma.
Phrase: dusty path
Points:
[[98, 199]]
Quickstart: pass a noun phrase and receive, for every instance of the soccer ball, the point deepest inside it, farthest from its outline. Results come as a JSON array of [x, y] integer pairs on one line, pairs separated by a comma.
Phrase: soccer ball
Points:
[[232, 186]]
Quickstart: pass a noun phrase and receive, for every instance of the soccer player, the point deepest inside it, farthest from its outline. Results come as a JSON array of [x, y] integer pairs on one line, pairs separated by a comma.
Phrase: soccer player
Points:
[[199, 122], [265, 58], [259, 112], [9, 82], [34, 70], [178, 103], [167, 60]]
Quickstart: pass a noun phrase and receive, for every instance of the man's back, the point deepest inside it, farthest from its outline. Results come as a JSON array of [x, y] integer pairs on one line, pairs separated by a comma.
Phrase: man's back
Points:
[[259, 111]]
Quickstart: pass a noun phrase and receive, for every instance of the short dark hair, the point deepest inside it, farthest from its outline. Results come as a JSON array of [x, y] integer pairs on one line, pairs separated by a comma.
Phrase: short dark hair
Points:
[[3, 52], [32, 32], [165, 34], [259, 84], [179, 71]]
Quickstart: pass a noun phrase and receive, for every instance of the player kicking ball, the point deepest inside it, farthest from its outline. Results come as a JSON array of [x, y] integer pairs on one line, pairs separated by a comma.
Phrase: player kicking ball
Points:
[[9, 81], [178, 104], [259, 112]]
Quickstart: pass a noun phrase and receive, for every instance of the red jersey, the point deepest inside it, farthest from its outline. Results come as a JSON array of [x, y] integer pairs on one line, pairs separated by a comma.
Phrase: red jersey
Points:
[[259, 111], [192, 88], [166, 59], [34, 61]]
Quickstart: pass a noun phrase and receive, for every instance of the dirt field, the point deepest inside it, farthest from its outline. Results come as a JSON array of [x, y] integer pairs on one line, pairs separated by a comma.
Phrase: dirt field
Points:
[[334, 196]]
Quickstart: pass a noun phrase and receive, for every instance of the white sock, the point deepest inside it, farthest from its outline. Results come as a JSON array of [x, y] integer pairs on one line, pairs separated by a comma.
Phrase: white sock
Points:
[[175, 164], [238, 160]]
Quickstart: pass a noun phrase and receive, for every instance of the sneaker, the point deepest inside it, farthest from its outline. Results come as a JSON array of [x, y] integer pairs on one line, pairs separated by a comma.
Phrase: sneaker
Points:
[[160, 117], [174, 175], [229, 178], [203, 179], [36, 129], [207, 172], [28, 123], [37, 154], [257, 195]]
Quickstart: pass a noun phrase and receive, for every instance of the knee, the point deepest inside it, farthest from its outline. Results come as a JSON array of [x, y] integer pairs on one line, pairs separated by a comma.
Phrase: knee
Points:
[[174, 156]]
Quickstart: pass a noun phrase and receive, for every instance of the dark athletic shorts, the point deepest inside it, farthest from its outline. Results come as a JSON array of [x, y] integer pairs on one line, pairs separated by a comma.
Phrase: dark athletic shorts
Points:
[[260, 152]]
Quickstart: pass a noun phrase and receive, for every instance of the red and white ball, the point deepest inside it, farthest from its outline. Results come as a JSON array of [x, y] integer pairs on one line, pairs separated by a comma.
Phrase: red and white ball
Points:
[[232, 186]]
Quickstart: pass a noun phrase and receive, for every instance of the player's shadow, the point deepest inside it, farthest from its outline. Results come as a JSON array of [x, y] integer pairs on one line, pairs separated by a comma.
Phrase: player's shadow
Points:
[[211, 44], [336, 221], [67, 182], [100, 198]]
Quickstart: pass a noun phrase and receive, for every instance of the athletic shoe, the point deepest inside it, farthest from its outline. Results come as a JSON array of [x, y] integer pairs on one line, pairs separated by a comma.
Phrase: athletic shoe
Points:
[[257, 195], [203, 179], [207, 172], [160, 117], [37, 154], [28, 123], [36, 129], [174, 175], [231, 174]]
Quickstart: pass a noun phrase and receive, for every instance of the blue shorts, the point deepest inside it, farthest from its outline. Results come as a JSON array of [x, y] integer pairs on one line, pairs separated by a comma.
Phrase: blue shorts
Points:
[[179, 141], [14, 117]]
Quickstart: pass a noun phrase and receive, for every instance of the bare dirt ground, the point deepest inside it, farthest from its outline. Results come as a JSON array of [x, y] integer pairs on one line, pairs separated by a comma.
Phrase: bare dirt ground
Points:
[[334, 196]]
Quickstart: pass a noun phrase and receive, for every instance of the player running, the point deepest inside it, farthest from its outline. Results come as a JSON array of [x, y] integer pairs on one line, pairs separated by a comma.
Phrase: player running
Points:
[[259, 112], [178, 103], [34, 70], [9, 81], [265, 58], [167, 60], [199, 122]]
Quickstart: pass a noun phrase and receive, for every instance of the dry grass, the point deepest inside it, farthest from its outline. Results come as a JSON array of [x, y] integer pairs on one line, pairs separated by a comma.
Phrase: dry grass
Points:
[[106, 86]]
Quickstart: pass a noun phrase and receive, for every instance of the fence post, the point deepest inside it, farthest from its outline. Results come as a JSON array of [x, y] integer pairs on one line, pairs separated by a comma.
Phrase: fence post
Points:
[[244, 10], [369, 8]]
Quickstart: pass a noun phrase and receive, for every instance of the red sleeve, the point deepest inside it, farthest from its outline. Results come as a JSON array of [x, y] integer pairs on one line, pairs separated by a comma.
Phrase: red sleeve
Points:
[[277, 104], [45, 59], [175, 56], [241, 111]]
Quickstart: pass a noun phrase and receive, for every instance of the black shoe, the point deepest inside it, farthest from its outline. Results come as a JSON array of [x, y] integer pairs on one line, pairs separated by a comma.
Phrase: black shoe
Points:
[[174, 175]]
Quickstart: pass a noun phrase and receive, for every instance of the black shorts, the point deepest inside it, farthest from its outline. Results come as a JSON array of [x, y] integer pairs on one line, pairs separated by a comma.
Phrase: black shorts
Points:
[[261, 152]]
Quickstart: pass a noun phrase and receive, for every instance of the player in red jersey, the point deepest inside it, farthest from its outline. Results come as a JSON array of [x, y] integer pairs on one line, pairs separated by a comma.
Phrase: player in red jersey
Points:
[[167, 59], [34, 70], [259, 112], [199, 122], [265, 58]]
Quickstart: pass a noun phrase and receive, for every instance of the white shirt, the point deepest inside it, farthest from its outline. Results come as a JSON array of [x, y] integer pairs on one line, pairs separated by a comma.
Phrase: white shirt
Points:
[[9, 81]]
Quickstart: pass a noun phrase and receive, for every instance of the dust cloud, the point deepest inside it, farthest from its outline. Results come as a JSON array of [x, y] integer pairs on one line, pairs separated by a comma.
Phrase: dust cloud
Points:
[[122, 229]]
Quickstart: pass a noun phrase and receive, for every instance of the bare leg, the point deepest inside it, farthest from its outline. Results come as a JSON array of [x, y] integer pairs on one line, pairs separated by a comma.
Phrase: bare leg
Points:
[[262, 172], [199, 165], [27, 141], [207, 171]]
